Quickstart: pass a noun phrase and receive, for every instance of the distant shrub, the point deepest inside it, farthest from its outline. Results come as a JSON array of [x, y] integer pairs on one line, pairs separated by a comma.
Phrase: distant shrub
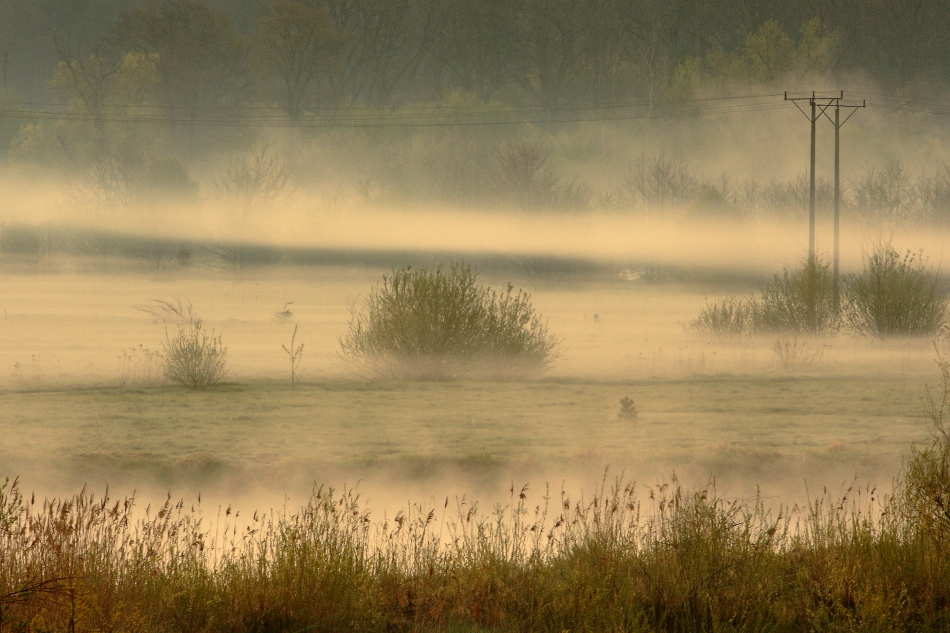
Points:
[[799, 301], [444, 324], [727, 317], [628, 410], [194, 358], [933, 194], [794, 302], [250, 183], [895, 295]]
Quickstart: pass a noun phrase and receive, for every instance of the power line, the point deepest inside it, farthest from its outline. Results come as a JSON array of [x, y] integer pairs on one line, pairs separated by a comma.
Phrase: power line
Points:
[[438, 115], [425, 108], [919, 105], [421, 117]]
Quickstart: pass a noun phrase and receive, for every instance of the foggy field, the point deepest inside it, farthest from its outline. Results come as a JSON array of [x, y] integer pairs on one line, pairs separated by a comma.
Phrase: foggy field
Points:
[[83, 400], [435, 315]]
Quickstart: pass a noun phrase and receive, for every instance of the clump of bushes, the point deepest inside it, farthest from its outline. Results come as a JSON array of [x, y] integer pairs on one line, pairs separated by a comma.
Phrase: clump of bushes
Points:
[[895, 295], [799, 301], [193, 357], [926, 490], [892, 295], [730, 316], [443, 324]]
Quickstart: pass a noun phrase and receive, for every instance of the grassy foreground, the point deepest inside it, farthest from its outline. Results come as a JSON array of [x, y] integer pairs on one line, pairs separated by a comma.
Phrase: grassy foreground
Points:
[[629, 558]]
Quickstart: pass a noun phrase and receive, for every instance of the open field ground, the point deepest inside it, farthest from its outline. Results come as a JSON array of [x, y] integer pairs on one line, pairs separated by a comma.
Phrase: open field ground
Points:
[[83, 400], [801, 437]]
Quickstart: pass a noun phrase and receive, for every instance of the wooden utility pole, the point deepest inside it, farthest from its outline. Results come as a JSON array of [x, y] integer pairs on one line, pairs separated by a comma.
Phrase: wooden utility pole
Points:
[[836, 286], [811, 188], [819, 106]]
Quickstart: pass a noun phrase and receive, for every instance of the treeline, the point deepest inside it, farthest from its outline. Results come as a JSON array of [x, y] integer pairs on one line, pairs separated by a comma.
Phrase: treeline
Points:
[[130, 100], [302, 54], [885, 196]]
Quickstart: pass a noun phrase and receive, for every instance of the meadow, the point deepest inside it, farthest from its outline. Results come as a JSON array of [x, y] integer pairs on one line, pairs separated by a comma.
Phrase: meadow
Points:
[[82, 385], [745, 432]]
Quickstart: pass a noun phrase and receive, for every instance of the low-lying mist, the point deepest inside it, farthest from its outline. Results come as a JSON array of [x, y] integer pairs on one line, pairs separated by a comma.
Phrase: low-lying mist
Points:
[[85, 401], [621, 235]]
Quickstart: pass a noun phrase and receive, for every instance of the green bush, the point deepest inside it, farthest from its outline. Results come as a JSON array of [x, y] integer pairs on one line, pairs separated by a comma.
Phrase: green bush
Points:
[[726, 317], [444, 324], [892, 295], [194, 358], [895, 295], [799, 301]]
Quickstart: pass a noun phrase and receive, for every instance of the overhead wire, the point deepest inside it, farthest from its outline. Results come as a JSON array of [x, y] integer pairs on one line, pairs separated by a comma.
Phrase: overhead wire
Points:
[[894, 102], [427, 107], [442, 115], [414, 116]]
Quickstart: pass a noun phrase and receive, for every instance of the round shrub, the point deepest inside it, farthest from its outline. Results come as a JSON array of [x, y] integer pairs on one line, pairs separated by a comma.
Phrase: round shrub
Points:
[[443, 324], [895, 295], [194, 358]]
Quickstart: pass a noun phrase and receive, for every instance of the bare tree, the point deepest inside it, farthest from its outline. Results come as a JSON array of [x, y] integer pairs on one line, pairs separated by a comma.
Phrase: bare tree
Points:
[[250, 183], [479, 45], [296, 45], [85, 82], [201, 60], [555, 33], [386, 44]]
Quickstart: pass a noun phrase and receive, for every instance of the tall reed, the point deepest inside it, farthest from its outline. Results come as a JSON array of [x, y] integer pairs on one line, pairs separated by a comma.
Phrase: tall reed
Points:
[[632, 558]]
